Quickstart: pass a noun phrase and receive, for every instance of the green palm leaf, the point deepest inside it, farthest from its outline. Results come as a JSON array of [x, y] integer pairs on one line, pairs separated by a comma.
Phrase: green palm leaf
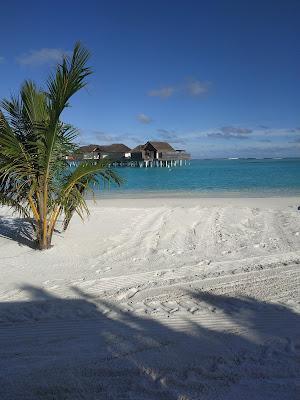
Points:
[[35, 178]]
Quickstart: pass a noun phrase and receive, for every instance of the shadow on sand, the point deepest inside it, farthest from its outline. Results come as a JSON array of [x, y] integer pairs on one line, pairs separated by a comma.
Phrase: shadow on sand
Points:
[[17, 229], [83, 348]]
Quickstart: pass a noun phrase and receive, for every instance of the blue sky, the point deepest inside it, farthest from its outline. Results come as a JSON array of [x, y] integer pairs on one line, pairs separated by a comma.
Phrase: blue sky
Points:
[[219, 78]]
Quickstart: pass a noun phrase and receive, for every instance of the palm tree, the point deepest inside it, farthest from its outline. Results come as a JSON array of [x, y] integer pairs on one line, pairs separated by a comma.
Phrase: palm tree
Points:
[[35, 178]]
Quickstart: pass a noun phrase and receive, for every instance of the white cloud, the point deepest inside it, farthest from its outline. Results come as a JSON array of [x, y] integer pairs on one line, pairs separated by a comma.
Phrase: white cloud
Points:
[[222, 135], [170, 136], [196, 88], [236, 130], [192, 87], [101, 137], [244, 149], [144, 119], [231, 132], [288, 132], [163, 92], [2, 59], [42, 56]]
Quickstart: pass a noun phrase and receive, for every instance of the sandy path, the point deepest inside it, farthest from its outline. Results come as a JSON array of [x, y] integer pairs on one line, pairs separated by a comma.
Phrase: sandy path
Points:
[[156, 299]]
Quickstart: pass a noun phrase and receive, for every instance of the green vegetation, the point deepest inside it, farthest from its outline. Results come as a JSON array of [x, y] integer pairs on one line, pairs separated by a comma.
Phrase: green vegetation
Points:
[[35, 178]]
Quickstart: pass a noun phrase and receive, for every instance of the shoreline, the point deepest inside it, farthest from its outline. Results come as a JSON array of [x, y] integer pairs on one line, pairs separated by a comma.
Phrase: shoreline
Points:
[[130, 194], [139, 201]]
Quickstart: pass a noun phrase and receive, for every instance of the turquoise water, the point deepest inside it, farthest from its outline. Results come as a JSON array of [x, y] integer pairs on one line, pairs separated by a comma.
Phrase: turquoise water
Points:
[[210, 176]]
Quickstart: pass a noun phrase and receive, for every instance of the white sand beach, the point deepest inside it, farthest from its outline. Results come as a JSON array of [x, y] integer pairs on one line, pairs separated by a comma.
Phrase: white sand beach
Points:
[[155, 298]]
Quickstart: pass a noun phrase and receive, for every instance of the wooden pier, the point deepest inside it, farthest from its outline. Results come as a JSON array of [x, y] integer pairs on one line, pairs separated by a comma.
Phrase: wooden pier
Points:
[[151, 163], [140, 164]]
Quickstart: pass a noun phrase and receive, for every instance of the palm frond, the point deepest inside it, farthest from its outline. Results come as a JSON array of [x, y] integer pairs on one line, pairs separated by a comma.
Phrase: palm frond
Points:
[[82, 180], [100, 168], [35, 178], [15, 205], [69, 78]]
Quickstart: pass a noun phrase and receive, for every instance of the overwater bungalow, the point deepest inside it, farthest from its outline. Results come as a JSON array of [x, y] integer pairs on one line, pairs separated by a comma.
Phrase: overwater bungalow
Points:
[[115, 152], [158, 154], [151, 154]]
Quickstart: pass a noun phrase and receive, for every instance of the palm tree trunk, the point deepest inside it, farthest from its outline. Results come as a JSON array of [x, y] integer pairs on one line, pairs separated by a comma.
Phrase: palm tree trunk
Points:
[[43, 239], [45, 222], [38, 209], [42, 235]]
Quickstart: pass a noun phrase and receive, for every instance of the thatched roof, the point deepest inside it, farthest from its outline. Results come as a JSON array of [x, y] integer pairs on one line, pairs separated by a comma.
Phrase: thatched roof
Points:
[[138, 148], [161, 146], [115, 148], [90, 148], [122, 148], [111, 148]]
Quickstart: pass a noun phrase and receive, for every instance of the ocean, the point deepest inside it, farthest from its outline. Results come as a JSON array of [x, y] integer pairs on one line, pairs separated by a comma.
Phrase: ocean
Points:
[[264, 177]]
